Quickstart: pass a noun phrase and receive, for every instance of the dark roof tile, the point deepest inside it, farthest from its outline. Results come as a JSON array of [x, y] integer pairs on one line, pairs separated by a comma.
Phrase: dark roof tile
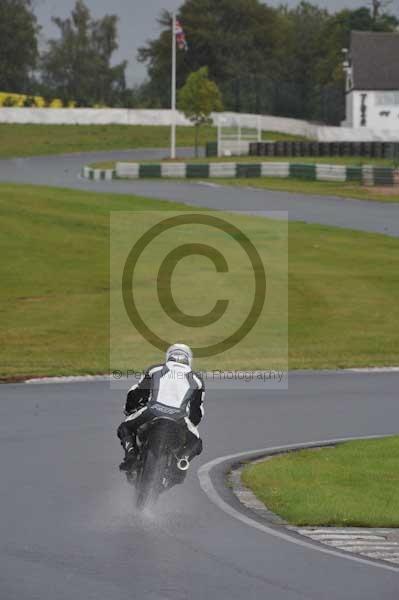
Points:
[[375, 60]]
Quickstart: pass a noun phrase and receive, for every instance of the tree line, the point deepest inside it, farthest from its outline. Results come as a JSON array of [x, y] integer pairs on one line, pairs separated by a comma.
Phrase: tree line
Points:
[[76, 66], [282, 61]]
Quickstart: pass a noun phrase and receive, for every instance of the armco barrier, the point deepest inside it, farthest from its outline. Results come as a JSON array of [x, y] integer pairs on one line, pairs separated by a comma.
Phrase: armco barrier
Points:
[[248, 170], [151, 170], [299, 171], [173, 170], [197, 170], [366, 175], [222, 169], [383, 176], [128, 170], [331, 173], [275, 169], [98, 174], [355, 174]]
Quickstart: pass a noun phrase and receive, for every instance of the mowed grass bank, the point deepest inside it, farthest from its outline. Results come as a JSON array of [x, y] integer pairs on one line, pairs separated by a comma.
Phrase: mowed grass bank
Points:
[[354, 484], [348, 190], [343, 289], [33, 140]]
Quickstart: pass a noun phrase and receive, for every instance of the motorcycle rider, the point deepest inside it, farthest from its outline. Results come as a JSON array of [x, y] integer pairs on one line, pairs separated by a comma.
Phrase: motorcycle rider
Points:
[[172, 384]]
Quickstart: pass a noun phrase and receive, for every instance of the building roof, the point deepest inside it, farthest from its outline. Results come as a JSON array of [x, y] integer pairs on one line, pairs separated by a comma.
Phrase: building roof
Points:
[[375, 60]]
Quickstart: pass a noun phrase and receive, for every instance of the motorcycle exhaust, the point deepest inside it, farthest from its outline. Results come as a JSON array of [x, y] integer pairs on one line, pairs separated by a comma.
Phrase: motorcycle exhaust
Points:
[[183, 464]]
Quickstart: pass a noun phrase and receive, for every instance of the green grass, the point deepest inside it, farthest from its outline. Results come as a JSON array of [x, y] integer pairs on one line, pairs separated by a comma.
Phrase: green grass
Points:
[[54, 300], [354, 484], [32, 140], [318, 188]]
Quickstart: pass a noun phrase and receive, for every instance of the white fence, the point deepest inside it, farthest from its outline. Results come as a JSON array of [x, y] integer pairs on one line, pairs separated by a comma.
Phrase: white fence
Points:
[[121, 116], [322, 133], [267, 123], [234, 138], [90, 116], [360, 134]]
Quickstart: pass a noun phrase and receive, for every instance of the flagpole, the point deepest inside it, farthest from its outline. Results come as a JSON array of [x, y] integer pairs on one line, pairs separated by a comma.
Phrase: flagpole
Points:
[[173, 131]]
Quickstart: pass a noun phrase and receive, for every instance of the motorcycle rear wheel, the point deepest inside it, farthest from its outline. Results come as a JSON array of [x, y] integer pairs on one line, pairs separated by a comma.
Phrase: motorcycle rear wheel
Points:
[[150, 481]]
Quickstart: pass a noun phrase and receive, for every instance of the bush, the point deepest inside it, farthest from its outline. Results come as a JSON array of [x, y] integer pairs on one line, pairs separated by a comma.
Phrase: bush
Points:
[[29, 102], [9, 102]]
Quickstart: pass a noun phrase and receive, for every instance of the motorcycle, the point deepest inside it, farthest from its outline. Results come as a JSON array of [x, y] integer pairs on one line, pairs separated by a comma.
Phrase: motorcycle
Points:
[[159, 465]]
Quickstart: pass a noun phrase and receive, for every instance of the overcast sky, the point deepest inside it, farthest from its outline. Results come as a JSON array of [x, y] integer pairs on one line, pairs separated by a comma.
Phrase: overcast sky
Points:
[[138, 21]]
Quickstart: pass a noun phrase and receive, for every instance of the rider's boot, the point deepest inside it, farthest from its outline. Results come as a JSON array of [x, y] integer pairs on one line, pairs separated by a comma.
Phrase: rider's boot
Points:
[[130, 456]]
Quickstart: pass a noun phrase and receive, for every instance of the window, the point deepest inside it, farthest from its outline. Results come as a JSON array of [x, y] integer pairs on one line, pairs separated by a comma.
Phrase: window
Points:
[[387, 98]]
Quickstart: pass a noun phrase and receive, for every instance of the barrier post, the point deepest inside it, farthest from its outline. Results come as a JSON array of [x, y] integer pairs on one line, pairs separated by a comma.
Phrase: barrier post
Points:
[[173, 128]]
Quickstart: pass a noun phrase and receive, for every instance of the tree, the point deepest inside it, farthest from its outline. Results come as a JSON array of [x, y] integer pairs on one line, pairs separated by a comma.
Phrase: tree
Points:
[[198, 98], [77, 66], [18, 45], [377, 6], [235, 39], [304, 48]]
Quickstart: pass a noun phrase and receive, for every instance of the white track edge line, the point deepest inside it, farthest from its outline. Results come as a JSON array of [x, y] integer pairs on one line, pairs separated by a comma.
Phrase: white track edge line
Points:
[[69, 379], [87, 378], [209, 489]]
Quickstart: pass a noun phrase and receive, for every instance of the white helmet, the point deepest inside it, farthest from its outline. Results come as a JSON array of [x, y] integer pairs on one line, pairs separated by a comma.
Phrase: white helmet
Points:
[[179, 353]]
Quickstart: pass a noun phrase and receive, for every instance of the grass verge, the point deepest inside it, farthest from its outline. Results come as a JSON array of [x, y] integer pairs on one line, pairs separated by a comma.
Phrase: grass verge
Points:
[[354, 484], [33, 140], [318, 188], [54, 300]]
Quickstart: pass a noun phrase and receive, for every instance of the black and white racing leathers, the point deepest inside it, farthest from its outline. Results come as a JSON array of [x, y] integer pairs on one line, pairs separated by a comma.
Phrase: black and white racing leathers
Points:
[[171, 384]]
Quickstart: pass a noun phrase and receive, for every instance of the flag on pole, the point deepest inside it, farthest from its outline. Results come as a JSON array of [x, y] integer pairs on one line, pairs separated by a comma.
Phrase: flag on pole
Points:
[[180, 37]]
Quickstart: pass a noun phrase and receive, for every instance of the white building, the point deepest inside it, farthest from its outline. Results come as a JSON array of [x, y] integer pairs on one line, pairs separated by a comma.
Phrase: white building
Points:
[[372, 81]]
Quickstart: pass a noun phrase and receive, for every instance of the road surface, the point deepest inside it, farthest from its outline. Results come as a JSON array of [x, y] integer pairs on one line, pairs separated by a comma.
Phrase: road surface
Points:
[[68, 528]]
